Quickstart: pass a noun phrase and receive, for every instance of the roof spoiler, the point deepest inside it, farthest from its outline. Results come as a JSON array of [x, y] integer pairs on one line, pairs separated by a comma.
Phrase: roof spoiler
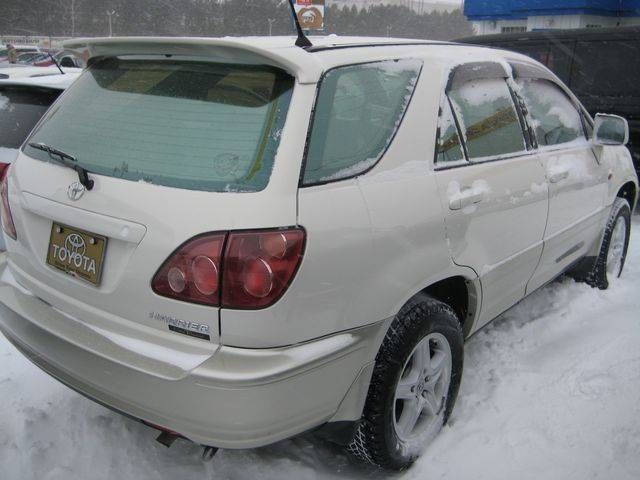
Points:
[[295, 61]]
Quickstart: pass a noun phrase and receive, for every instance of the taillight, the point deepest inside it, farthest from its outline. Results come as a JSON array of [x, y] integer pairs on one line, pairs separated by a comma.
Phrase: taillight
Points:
[[254, 271], [259, 266], [5, 211], [192, 273]]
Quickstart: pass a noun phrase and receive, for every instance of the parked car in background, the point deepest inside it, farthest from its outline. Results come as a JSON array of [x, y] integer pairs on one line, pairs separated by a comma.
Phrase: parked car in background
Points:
[[239, 240], [64, 59], [600, 65], [30, 57], [22, 104]]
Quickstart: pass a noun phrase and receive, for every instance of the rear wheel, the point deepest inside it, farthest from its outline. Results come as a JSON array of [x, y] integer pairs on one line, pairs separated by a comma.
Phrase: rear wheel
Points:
[[414, 385], [613, 252]]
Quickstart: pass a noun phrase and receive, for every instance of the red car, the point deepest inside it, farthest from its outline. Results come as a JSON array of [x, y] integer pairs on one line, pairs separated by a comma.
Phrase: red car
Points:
[[63, 59]]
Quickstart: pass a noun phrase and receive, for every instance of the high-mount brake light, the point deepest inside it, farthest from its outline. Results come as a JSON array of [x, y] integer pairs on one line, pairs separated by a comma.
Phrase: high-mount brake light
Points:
[[253, 272], [5, 210]]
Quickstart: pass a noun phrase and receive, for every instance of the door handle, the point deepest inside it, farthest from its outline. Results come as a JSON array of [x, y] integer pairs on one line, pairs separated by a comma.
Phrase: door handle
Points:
[[466, 196], [558, 176]]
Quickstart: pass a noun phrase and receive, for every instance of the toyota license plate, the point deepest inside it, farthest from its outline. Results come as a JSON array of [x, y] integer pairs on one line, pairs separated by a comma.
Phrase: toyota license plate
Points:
[[76, 252]]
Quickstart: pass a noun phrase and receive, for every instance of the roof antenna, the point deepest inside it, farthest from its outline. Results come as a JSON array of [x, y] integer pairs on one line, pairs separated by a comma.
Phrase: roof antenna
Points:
[[302, 41], [55, 62]]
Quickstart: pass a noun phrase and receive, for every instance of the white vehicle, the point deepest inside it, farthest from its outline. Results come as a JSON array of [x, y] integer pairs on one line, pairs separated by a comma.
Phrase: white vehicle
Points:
[[22, 104], [22, 71], [239, 240]]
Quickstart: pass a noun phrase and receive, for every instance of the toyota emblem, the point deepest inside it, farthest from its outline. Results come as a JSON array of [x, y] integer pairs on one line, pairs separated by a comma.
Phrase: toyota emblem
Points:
[[75, 191]]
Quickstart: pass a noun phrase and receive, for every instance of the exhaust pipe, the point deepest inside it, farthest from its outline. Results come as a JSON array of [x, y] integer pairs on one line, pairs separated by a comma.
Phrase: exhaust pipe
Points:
[[209, 452], [168, 437]]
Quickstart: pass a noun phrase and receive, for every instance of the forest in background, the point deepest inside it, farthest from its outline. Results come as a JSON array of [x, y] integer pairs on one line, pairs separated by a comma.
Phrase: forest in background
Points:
[[74, 18]]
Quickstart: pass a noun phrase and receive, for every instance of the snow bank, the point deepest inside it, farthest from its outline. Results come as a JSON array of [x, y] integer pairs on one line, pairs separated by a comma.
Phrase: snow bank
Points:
[[550, 391]]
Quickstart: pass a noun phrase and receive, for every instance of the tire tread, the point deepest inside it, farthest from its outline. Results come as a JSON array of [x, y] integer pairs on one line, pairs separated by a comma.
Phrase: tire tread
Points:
[[368, 444]]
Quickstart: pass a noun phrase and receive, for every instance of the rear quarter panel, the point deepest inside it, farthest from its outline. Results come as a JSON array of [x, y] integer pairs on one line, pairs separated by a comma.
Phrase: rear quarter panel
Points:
[[373, 241]]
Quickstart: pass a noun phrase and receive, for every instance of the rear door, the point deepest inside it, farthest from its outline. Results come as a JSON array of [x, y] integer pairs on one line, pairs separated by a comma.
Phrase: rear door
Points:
[[176, 148], [577, 180], [493, 189]]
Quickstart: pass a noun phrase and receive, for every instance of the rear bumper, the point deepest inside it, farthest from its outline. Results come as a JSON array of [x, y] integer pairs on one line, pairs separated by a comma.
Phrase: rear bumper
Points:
[[236, 398]]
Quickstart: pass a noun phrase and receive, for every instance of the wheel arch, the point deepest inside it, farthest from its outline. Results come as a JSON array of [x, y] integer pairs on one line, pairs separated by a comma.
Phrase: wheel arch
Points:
[[461, 291], [462, 294], [629, 192]]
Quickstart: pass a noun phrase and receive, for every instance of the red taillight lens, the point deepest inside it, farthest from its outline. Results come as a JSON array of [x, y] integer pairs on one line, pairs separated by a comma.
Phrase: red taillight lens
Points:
[[192, 272], [255, 270], [259, 266], [5, 211], [205, 275]]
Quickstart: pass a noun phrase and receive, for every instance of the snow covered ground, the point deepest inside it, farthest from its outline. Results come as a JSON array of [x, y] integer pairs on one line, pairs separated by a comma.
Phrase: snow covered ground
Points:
[[551, 390]]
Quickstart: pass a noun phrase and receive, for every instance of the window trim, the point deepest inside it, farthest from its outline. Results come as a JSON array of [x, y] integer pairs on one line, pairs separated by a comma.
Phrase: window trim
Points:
[[530, 140], [463, 145], [301, 183], [482, 161]]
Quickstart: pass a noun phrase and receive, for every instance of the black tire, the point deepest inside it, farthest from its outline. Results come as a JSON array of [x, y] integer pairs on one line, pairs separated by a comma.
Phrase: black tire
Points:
[[598, 277], [375, 439]]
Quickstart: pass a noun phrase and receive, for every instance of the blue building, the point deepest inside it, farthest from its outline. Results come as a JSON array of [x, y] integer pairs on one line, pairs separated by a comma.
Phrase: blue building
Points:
[[503, 16]]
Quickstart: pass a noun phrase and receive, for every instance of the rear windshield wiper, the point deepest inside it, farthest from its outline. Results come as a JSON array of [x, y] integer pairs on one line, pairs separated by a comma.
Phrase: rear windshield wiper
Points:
[[68, 161]]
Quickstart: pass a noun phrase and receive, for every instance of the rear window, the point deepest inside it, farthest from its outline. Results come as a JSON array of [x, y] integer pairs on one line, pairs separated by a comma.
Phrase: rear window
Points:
[[191, 125], [20, 110]]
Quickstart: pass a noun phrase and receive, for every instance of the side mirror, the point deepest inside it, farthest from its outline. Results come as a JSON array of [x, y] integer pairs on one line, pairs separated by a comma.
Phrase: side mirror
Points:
[[610, 130]]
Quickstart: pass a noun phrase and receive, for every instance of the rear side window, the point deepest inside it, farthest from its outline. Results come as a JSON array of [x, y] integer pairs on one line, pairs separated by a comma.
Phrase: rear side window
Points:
[[449, 145], [186, 124], [358, 111], [555, 119], [488, 118], [20, 110]]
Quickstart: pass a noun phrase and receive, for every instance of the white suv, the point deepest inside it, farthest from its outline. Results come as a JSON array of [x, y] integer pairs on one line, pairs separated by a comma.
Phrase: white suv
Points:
[[240, 240]]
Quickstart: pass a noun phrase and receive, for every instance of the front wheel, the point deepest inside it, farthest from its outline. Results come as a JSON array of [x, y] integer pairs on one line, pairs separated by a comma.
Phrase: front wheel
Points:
[[615, 242], [414, 385]]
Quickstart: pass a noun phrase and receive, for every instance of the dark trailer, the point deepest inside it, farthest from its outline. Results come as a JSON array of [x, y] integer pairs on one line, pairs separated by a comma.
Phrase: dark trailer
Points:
[[601, 66]]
